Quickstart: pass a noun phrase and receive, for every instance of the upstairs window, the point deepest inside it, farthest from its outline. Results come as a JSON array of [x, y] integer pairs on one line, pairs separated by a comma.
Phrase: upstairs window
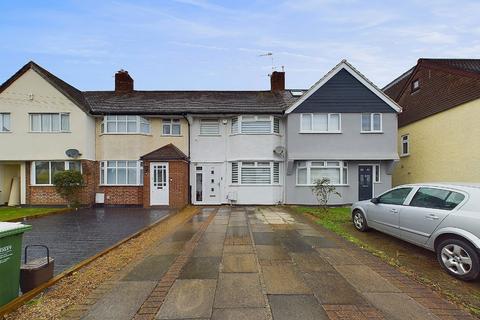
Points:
[[44, 171], [49, 122], [320, 123], [171, 127], [371, 122], [4, 122], [209, 127], [405, 145], [125, 124], [255, 125], [256, 172]]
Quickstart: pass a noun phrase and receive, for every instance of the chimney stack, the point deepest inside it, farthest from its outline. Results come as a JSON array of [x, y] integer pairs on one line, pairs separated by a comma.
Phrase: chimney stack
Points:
[[277, 81], [123, 82]]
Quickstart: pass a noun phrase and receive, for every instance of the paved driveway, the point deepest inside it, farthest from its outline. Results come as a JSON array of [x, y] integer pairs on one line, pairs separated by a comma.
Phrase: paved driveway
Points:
[[257, 264], [78, 235]]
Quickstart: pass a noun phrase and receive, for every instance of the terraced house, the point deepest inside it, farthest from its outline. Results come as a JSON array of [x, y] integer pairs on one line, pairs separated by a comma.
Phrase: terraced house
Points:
[[150, 148]]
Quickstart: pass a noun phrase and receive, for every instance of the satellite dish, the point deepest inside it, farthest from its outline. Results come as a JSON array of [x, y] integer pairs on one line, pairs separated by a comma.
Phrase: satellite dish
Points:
[[280, 150], [73, 153]]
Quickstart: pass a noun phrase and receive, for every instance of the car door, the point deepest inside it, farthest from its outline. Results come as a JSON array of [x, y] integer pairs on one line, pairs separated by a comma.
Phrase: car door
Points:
[[426, 210], [384, 215]]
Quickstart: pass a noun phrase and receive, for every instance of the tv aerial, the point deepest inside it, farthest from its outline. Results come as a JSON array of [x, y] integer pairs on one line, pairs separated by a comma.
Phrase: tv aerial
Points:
[[268, 54]]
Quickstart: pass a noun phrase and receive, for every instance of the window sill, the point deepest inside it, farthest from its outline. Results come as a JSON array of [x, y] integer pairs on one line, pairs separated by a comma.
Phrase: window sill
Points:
[[320, 132], [312, 185], [50, 132], [209, 135], [42, 185], [120, 185], [371, 132], [172, 135], [254, 185], [255, 134], [404, 155], [5, 132], [125, 133]]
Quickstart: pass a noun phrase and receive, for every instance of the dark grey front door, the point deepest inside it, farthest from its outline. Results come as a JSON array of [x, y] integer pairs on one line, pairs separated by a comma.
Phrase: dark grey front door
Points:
[[365, 183]]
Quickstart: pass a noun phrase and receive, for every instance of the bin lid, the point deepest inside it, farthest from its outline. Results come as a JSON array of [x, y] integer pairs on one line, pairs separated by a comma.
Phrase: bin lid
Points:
[[10, 228]]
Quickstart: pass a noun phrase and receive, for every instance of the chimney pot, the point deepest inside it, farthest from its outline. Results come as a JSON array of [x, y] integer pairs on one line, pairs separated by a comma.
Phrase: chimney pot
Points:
[[277, 81], [123, 82]]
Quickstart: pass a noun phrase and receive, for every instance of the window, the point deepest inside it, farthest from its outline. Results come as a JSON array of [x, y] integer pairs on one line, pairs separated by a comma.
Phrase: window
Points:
[[256, 172], [49, 122], [396, 196], [310, 171], [125, 124], [405, 145], [415, 85], [320, 123], [44, 171], [121, 172], [434, 198], [4, 122], [376, 173], [255, 125], [209, 127], [171, 127], [371, 122]]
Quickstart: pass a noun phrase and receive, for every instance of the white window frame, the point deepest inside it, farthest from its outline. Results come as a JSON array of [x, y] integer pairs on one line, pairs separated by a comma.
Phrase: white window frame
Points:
[[33, 175], [376, 178], [3, 127], [405, 140], [139, 121], [210, 121], [236, 126], [256, 164], [329, 116], [51, 115], [343, 168], [104, 173], [171, 123], [372, 129]]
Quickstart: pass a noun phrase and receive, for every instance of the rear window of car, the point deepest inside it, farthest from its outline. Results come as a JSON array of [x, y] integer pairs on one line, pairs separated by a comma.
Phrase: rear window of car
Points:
[[435, 198]]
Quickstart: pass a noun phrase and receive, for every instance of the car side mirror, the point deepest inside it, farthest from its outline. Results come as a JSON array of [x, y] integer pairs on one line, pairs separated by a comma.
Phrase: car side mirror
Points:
[[375, 200]]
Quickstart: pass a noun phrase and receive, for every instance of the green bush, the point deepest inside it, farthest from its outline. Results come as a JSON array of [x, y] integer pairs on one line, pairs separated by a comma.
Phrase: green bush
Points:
[[68, 185]]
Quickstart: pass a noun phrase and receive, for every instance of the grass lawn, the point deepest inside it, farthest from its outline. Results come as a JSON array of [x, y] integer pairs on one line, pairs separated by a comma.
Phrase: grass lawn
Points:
[[419, 263], [12, 213]]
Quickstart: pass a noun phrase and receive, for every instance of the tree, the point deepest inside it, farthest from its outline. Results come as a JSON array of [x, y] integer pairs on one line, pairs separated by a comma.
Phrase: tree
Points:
[[68, 184], [322, 189]]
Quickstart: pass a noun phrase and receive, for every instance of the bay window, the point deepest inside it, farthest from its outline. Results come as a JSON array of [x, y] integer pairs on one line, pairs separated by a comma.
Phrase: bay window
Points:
[[255, 125], [171, 127], [4, 122], [42, 172], [121, 172], [310, 171], [371, 122], [49, 122], [255, 172], [125, 124], [320, 123]]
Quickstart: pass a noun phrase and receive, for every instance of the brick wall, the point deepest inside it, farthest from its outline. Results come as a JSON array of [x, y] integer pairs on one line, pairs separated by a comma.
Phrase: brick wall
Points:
[[123, 195], [47, 195]]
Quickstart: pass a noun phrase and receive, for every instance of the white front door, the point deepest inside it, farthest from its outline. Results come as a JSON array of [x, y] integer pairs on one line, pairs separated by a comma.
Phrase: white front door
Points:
[[208, 181], [159, 183]]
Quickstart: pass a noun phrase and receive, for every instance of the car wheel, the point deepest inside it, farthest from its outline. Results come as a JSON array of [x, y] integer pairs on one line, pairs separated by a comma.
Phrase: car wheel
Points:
[[359, 221], [459, 259]]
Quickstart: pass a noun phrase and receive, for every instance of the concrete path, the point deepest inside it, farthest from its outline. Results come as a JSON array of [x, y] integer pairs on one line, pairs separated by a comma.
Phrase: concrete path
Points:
[[263, 263]]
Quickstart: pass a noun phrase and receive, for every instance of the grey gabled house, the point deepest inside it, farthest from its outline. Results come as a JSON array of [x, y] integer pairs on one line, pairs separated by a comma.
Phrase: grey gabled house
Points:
[[343, 128]]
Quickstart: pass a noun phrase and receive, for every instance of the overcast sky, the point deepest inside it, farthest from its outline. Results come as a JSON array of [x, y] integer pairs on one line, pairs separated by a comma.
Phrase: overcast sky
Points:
[[212, 44]]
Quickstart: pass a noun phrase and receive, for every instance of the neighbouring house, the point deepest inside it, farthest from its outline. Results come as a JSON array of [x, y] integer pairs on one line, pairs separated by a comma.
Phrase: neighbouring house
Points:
[[438, 127], [149, 148]]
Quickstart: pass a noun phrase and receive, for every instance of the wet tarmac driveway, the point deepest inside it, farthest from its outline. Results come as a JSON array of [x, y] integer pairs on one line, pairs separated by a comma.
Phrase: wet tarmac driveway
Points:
[[75, 236]]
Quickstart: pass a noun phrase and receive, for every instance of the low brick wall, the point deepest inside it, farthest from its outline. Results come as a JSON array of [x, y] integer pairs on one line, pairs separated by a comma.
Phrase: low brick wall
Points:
[[123, 195]]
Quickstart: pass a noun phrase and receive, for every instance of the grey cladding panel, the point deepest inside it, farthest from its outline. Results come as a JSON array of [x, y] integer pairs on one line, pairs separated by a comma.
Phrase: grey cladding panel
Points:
[[343, 93]]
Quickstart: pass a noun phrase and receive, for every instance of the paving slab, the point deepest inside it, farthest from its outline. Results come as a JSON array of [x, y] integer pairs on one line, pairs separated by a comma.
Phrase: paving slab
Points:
[[238, 249], [331, 288], [188, 299], [150, 268], [213, 237], [294, 243], [311, 262], [266, 238], [122, 302], [168, 248], [365, 279], [239, 263], [288, 307], [399, 306], [319, 242], [337, 257], [240, 314], [201, 268], [216, 228], [239, 290], [271, 252], [282, 279], [182, 235], [208, 250]]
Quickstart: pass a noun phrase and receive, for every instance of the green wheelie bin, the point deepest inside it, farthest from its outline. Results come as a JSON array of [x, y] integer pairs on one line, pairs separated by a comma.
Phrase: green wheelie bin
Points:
[[10, 255]]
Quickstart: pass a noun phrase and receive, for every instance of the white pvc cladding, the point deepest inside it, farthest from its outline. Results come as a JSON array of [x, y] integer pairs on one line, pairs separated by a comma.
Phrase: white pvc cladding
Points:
[[344, 65]]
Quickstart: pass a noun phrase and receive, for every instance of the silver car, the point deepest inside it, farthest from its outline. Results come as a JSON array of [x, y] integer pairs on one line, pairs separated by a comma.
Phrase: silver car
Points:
[[441, 217]]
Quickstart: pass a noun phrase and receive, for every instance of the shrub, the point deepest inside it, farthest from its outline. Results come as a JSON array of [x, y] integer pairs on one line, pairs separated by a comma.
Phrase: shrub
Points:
[[322, 189], [68, 184]]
